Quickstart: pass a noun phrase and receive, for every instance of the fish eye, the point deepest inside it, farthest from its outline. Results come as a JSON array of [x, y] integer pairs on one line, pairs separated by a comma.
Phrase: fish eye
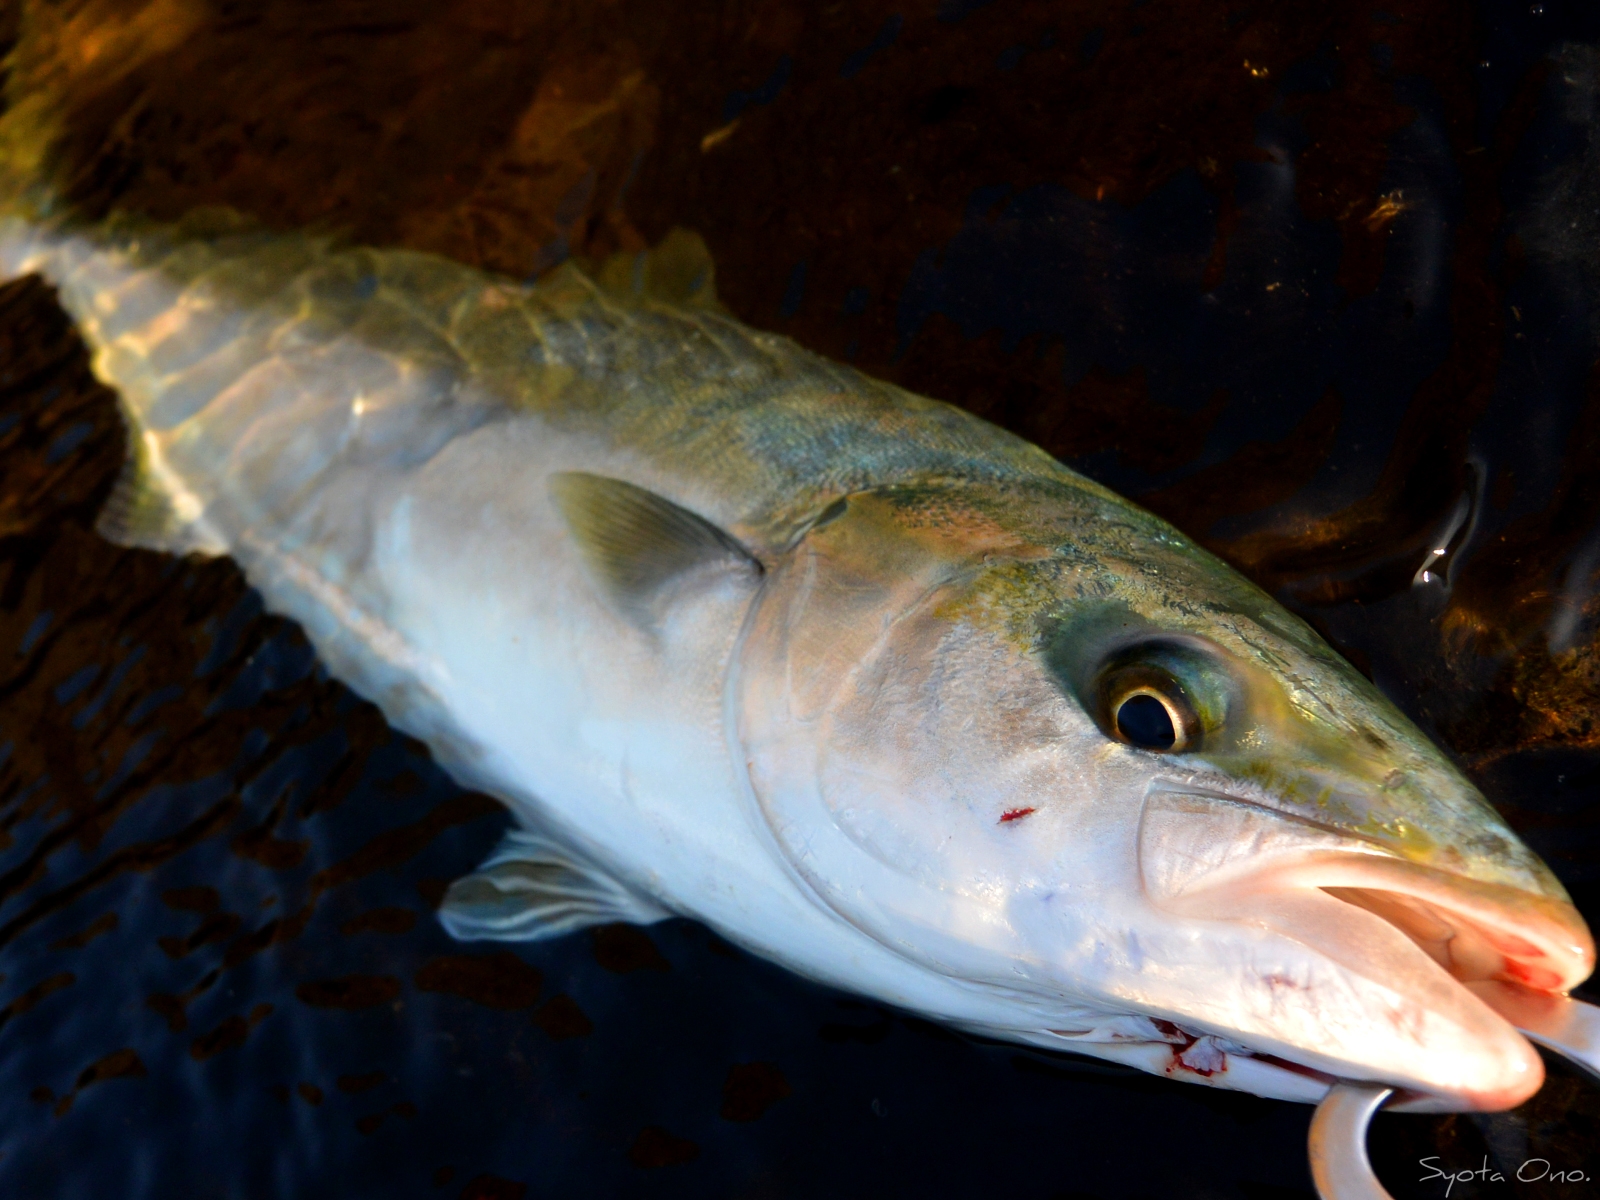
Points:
[[1143, 720], [1146, 707], [1166, 693]]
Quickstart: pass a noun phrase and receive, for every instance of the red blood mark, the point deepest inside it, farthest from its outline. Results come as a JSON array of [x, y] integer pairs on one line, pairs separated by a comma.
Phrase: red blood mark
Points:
[[1204, 1058], [1279, 982], [1541, 978], [1298, 1068], [1015, 814], [1181, 1042]]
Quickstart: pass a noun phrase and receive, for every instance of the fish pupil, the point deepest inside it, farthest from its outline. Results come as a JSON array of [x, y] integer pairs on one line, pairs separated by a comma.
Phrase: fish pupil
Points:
[[1145, 722]]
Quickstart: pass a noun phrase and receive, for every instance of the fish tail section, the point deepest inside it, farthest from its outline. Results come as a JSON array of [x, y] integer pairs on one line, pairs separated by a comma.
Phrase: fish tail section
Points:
[[46, 75], [62, 59]]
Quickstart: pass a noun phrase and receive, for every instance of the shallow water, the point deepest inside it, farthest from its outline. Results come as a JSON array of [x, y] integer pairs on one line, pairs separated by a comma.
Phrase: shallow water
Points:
[[1317, 282]]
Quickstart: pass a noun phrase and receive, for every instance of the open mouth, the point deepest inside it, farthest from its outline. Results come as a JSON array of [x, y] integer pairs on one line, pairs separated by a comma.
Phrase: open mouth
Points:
[[1354, 962]]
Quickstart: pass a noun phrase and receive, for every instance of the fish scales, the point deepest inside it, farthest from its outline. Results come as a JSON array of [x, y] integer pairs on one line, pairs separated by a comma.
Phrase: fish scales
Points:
[[874, 688], [675, 383]]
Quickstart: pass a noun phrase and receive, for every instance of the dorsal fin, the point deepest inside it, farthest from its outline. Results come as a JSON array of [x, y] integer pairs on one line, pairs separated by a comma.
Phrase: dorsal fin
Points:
[[678, 272], [635, 541]]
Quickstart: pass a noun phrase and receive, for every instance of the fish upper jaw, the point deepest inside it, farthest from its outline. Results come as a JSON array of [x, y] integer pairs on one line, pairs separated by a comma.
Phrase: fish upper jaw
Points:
[[1350, 960]]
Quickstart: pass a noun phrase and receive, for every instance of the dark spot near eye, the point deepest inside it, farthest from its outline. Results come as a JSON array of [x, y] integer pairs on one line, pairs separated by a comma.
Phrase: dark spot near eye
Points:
[[1144, 722], [1015, 814]]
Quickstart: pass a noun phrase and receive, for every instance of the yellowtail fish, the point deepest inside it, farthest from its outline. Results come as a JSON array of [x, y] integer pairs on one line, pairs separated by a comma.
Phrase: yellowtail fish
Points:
[[867, 685]]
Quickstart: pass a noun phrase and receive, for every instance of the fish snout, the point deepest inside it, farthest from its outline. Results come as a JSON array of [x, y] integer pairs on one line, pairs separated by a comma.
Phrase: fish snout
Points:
[[1361, 960]]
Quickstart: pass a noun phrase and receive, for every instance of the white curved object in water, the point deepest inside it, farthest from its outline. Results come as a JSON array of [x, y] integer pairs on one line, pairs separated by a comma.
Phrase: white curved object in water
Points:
[[1338, 1141]]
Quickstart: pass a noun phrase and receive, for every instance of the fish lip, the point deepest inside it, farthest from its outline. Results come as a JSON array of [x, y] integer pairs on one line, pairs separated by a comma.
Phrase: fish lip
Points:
[[1209, 852], [1351, 855], [1215, 786]]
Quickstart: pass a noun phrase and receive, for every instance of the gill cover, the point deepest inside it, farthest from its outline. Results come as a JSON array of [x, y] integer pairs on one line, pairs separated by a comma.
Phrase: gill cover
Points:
[[868, 716]]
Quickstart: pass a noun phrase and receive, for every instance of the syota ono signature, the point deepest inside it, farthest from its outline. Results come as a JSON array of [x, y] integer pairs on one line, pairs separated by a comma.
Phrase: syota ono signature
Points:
[[1532, 1170]]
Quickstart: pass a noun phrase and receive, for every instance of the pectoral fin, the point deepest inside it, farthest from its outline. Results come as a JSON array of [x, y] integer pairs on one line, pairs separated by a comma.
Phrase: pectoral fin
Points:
[[530, 889], [635, 541]]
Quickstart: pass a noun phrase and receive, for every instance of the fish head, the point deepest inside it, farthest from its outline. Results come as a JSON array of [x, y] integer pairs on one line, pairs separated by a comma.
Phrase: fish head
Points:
[[1044, 746]]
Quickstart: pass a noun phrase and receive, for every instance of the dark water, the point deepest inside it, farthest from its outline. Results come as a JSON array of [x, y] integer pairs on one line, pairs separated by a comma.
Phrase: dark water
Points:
[[1316, 281]]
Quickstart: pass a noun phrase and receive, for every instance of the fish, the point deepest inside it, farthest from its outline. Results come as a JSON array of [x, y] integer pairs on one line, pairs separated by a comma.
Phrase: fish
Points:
[[872, 688]]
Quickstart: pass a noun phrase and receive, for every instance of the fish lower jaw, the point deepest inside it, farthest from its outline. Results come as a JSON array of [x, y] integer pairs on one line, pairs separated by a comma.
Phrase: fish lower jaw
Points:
[[1330, 989], [1189, 1054]]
